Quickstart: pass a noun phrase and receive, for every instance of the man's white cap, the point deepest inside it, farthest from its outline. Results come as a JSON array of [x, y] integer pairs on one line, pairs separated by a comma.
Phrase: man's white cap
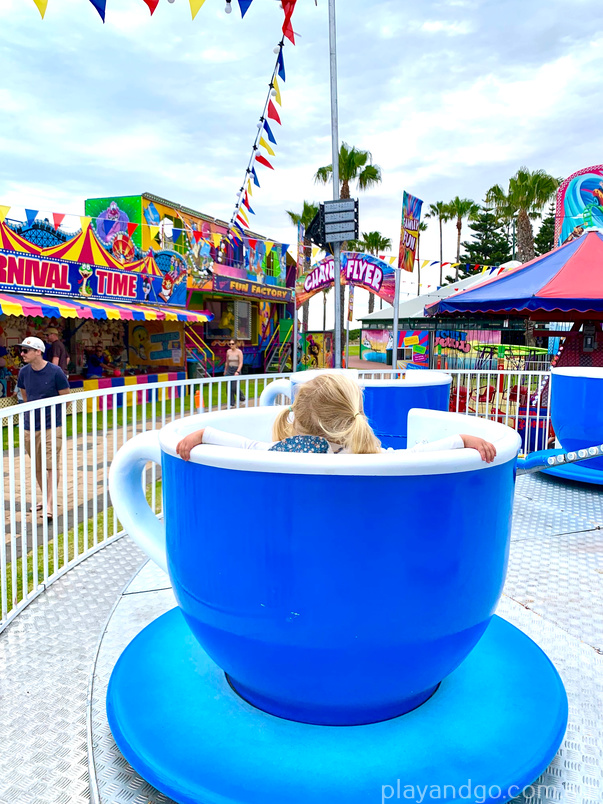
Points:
[[34, 343]]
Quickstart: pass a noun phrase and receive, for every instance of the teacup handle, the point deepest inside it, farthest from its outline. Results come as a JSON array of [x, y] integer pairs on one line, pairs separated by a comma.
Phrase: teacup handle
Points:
[[128, 496], [276, 388]]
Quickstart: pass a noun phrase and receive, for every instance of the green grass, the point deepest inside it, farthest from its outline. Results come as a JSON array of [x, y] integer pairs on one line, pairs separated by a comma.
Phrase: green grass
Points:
[[85, 536], [354, 349]]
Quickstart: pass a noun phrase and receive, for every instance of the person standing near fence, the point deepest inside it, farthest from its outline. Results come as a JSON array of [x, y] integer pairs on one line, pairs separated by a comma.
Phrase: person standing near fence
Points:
[[39, 379], [58, 352], [233, 368]]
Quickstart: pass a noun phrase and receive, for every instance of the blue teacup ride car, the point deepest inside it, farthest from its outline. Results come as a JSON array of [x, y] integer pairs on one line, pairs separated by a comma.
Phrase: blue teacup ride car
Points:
[[302, 610]]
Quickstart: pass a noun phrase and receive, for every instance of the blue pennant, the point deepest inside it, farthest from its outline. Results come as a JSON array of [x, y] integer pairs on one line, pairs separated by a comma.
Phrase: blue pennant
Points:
[[244, 4], [255, 177], [281, 65], [107, 226], [176, 234], [31, 214], [100, 5], [269, 132]]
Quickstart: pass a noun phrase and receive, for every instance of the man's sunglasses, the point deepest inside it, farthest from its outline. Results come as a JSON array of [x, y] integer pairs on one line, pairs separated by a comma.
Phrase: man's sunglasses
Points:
[[24, 350]]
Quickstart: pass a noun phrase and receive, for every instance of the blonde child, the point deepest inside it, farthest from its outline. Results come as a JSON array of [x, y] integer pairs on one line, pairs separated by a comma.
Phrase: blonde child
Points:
[[327, 416]]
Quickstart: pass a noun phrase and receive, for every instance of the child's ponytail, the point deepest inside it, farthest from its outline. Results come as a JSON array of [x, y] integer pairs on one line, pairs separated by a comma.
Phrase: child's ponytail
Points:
[[282, 427]]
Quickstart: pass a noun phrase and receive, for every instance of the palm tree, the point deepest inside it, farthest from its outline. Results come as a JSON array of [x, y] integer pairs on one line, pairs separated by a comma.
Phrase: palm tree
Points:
[[354, 165], [305, 217], [460, 208], [440, 211], [422, 228], [373, 243], [528, 194]]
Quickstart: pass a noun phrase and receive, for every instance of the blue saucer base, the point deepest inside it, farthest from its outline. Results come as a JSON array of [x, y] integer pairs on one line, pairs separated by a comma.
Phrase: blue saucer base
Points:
[[577, 471], [490, 730]]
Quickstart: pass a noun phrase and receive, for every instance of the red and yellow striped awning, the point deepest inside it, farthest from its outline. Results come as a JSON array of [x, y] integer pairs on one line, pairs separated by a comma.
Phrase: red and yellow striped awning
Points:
[[11, 241], [57, 307], [85, 248]]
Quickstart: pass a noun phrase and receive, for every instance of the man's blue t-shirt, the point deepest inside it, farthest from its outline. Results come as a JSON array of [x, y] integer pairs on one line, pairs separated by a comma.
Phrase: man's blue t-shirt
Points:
[[43, 384]]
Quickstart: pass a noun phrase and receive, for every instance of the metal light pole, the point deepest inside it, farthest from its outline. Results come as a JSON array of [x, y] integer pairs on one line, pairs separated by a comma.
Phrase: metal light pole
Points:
[[335, 175]]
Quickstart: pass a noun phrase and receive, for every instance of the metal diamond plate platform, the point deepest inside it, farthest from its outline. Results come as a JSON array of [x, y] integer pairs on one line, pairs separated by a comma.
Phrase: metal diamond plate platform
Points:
[[56, 658]]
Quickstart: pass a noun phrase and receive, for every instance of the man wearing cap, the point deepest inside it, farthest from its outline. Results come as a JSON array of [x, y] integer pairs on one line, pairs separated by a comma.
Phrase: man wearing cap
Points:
[[58, 353], [39, 379]]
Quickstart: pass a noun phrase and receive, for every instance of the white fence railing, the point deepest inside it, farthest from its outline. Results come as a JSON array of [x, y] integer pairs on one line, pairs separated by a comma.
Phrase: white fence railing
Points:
[[56, 507]]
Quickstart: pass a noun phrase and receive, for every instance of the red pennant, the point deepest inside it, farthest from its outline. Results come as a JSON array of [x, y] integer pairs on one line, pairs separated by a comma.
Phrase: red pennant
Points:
[[132, 227], [197, 236], [263, 161], [57, 218], [243, 222], [252, 243], [272, 113], [288, 8], [152, 4]]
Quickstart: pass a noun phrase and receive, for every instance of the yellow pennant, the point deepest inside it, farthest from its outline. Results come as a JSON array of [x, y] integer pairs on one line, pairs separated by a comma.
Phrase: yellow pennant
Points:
[[392, 260], [277, 97], [424, 263], [269, 245], [195, 6], [154, 231], [265, 145], [242, 214], [315, 251], [3, 212], [41, 4], [249, 187], [85, 221], [216, 238]]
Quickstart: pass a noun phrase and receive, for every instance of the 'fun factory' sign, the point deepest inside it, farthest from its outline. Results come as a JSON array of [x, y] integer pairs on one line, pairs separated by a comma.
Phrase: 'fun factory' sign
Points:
[[29, 274], [241, 287]]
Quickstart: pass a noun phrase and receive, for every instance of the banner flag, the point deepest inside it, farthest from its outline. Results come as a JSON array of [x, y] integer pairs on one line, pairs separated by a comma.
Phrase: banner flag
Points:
[[255, 177], [252, 242], [42, 5], [281, 66], [132, 227], [288, 7], [300, 250], [57, 219], [265, 145], [85, 222], [268, 244], [409, 233], [284, 247], [31, 215], [241, 217], [263, 161], [107, 225], [277, 91], [216, 239], [244, 6], [154, 231], [268, 131], [195, 6], [152, 4], [247, 206], [4, 210], [197, 235], [272, 113], [100, 5], [176, 234]]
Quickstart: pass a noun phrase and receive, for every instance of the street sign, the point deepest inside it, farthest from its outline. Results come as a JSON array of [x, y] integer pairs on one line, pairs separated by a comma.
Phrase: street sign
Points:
[[339, 220]]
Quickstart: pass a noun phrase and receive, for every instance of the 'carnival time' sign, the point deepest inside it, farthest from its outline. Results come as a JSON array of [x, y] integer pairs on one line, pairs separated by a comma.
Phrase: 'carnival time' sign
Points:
[[364, 270], [30, 274]]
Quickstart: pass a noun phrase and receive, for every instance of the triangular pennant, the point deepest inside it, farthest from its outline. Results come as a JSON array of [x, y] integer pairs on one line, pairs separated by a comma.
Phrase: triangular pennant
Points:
[[154, 232], [241, 214], [132, 226], [392, 260], [176, 234], [57, 219], [4, 210], [284, 248], [249, 187], [252, 242], [246, 203], [268, 131], [244, 6], [216, 239], [31, 215], [259, 158], [107, 224], [277, 91], [269, 245], [197, 235], [41, 4], [255, 177], [85, 222], [424, 263], [152, 4], [315, 250], [265, 145], [288, 30], [272, 113], [195, 6], [281, 65], [100, 5]]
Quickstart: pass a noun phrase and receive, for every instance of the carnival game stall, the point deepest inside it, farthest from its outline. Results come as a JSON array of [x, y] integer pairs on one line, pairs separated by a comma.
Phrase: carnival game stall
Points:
[[565, 285]]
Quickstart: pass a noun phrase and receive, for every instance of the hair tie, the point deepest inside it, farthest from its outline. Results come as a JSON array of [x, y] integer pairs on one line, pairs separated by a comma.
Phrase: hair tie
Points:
[[358, 413], [291, 408]]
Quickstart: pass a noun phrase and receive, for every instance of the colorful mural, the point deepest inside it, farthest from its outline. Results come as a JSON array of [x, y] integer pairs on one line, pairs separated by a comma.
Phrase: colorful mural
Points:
[[159, 343], [414, 346], [579, 204], [315, 350], [110, 218], [471, 349]]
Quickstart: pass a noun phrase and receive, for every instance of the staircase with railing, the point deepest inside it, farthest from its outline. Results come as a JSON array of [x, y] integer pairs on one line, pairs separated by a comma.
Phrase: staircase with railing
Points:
[[278, 354], [200, 353]]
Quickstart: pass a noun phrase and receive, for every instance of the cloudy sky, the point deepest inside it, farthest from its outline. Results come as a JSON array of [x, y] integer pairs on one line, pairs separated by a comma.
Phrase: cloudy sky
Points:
[[450, 97]]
